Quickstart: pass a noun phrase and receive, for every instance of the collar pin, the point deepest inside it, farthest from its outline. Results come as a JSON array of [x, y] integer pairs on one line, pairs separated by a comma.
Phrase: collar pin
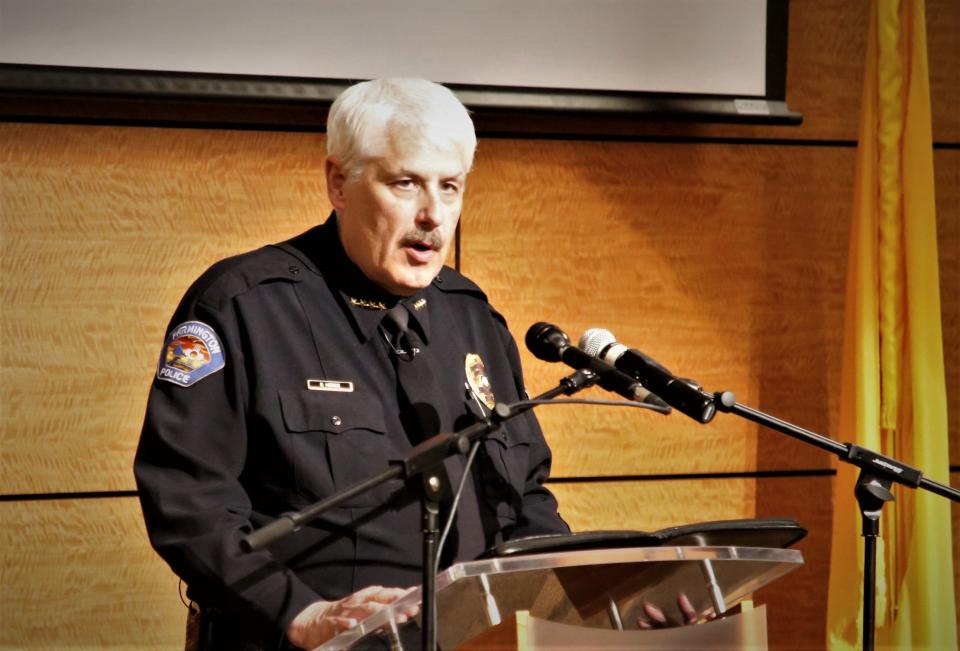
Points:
[[368, 305]]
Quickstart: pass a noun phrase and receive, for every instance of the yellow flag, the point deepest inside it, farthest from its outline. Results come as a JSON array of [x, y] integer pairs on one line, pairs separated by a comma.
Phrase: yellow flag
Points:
[[893, 384]]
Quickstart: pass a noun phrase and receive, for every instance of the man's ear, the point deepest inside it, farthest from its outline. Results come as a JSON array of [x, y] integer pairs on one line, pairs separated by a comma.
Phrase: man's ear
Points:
[[336, 177]]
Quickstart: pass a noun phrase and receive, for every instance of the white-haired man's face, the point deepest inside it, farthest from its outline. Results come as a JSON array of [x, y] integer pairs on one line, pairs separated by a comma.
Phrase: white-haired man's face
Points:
[[398, 215]]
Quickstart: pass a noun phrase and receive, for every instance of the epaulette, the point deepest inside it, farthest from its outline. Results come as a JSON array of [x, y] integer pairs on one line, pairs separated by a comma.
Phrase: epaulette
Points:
[[451, 280], [238, 274]]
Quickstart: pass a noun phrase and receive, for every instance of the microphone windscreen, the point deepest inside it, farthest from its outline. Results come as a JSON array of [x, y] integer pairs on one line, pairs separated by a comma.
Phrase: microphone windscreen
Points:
[[595, 340]]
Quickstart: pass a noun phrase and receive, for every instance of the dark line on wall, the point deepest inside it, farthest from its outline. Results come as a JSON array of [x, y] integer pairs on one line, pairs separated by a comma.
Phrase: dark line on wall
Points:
[[166, 124], [824, 472], [506, 135], [80, 495], [156, 88], [758, 474], [672, 139], [689, 140]]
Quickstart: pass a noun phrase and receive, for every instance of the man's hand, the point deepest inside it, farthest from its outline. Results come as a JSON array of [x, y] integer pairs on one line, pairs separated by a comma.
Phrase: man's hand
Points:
[[656, 619], [322, 620]]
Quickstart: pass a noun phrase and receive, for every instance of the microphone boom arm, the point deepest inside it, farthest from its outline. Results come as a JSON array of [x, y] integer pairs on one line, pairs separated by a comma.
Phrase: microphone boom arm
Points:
[[877, 474]]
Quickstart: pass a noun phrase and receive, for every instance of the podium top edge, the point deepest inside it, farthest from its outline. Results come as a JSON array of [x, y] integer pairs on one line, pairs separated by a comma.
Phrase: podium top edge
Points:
[[551, 560]]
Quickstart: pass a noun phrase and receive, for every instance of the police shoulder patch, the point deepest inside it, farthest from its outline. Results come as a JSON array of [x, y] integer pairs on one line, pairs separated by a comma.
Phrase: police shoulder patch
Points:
[[192, 352]]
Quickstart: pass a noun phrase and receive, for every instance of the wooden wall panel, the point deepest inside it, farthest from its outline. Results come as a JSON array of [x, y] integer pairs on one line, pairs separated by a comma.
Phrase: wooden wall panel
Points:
[[724, 262], [947, 169], [797, 604], [103, 229], [652, 505], [80, 574], [943, 56]]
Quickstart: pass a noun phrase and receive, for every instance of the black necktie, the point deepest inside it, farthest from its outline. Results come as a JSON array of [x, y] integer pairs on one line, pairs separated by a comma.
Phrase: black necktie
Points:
[[417, 384], [419, 391]]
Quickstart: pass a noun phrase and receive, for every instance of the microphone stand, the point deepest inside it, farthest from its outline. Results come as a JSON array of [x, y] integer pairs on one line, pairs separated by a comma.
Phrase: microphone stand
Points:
[[877, 474], [424, 460]]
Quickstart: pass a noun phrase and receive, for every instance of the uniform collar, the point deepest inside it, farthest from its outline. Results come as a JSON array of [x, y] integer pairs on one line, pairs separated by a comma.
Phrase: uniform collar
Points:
[[363, 301]]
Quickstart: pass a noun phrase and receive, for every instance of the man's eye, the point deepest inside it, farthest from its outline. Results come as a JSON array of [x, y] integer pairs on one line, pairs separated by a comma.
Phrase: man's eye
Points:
[[404, 184], [453, 188]]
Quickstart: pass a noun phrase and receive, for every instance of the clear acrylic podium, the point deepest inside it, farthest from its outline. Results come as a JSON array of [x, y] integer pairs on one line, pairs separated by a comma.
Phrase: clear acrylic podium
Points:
[[599, 588]]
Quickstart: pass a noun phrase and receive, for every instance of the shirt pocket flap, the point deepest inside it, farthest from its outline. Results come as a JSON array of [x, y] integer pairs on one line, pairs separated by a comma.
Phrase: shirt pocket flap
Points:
[[335, 412]]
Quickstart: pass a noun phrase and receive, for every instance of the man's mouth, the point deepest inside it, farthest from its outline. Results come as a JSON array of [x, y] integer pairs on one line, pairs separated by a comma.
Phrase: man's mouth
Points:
[[421, 251], [421, 247]]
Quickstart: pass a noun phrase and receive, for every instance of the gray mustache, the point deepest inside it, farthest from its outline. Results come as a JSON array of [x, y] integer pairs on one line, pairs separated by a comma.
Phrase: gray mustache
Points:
[[431, 238]]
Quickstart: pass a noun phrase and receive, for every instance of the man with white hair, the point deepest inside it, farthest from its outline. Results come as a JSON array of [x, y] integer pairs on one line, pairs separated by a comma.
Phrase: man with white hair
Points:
[[315, 361]]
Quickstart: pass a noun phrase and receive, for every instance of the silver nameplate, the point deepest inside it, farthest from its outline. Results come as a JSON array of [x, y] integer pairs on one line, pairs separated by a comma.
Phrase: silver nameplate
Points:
[[330, 385]]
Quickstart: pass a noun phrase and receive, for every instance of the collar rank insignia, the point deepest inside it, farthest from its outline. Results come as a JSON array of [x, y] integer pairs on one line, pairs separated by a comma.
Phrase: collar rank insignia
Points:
[[478, 380], [367, 305], [419, 304], [192, 352]]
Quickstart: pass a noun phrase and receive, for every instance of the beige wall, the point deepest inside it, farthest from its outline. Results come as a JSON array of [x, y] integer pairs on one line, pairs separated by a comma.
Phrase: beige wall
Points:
[[721, 252]]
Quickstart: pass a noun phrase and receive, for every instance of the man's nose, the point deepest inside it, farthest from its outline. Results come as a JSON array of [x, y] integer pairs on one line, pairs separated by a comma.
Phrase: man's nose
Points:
[[429, 214]]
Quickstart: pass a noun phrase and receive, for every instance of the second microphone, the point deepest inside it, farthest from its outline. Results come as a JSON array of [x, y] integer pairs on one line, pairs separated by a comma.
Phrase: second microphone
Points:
[[551, 344]]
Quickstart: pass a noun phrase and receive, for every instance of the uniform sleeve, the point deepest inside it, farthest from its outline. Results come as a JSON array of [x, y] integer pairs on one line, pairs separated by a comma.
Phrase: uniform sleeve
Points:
[[539, 514], [192, 451]]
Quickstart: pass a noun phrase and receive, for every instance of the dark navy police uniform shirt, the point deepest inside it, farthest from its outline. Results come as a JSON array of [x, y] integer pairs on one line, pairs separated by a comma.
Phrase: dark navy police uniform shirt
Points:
[[235, 436]]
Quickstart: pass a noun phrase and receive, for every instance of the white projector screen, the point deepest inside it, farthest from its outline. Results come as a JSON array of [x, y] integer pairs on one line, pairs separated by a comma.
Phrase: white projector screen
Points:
[[713, 60], [711, 47]]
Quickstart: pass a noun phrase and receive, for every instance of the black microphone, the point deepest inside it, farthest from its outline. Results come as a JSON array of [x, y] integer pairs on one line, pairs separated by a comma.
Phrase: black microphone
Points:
[[551, 344], [681, 394]]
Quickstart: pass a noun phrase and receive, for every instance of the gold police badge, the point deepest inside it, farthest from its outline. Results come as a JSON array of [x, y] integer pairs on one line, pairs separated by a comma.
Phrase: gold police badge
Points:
[[478, 380]]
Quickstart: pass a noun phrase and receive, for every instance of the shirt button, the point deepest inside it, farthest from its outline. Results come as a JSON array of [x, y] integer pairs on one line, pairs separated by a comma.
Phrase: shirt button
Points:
[[335, 420]]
